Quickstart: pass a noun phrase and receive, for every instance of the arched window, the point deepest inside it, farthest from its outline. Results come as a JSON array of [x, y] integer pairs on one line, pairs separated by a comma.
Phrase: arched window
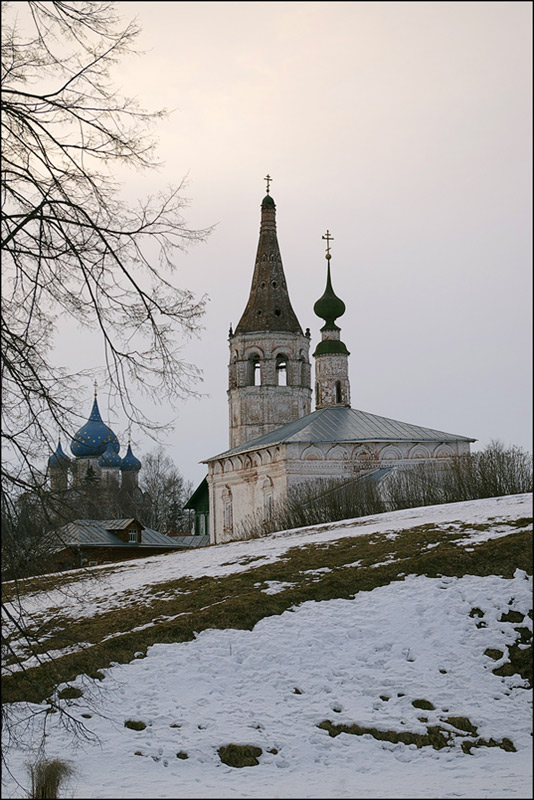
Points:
[[227, 509], [267, 498], [281, 370], [338, 391], [254, 371]]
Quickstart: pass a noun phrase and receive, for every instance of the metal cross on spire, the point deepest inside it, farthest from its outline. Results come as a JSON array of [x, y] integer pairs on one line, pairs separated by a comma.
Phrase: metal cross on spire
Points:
[[328, 240], [268, 179], [96, 385]]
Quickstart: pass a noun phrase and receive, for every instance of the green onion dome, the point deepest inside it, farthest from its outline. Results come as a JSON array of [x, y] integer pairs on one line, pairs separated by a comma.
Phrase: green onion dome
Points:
[[59, 459], [130, 463], [94, 437], [267, 201], [110, 458], [329, 307]]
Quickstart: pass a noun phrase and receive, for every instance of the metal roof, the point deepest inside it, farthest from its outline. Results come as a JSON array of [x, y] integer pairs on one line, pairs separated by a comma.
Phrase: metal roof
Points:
[[97, 533], [199, 496], [269, 307], [194, 541], [340, 424], [116, 524]]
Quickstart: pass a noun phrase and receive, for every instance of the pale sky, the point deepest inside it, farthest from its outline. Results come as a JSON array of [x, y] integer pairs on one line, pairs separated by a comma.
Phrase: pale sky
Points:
[[403, 128]]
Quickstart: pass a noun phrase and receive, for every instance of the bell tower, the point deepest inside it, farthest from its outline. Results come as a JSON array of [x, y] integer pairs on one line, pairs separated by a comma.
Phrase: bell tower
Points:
[[332, 387], [269, 370]]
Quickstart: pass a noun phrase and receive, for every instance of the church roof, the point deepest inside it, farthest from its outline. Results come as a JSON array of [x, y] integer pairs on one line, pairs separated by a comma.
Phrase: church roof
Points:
[[340, 424], [269, 307], [59, 458], [329, 306], [130, 463], [93, 438], [110, 458]]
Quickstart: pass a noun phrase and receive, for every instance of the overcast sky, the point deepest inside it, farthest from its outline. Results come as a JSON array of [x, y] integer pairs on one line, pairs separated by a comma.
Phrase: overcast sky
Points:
[[403, 128]]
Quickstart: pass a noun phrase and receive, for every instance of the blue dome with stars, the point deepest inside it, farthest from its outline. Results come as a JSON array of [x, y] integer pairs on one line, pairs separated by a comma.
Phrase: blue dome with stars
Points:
[[94, 437], [59, 458], [130, 463], [110, 458]]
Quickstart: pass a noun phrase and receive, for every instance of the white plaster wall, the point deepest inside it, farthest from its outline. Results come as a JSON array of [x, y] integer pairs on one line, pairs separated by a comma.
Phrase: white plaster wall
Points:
[[244, 476], [247, 479]]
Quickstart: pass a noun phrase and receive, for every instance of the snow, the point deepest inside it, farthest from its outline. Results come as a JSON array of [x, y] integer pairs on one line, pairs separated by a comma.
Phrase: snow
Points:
[[362, 660]]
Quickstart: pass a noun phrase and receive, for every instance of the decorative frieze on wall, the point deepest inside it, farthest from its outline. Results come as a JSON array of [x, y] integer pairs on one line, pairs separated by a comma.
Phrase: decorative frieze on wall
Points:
[[252, 482]]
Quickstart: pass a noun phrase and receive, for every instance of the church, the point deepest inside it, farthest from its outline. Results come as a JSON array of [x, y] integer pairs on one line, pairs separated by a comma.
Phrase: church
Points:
[[102, 489], [276, 441], [96, 483], [95, 448]]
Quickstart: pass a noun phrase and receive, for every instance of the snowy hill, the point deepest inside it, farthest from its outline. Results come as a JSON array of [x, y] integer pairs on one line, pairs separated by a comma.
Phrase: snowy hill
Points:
[[382, 657]]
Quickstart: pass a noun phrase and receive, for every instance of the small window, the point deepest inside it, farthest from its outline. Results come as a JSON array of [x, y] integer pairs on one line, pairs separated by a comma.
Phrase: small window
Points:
[[132, 535], [254, 371], [267, 505], [338, 392], [281, 371], [257, 373], [228, 514]]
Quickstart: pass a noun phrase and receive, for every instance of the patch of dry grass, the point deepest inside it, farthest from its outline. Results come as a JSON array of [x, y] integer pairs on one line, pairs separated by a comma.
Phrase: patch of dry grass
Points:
[[179, 609]]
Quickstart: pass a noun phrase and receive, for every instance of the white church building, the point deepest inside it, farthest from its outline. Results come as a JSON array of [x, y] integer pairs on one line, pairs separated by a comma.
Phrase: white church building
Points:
[[276, 440]]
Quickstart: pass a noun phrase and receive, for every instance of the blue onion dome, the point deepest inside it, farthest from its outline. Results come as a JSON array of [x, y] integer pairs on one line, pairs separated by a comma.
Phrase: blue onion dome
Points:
[[110, 458], [93, 438], [130, 463], [59, 459]]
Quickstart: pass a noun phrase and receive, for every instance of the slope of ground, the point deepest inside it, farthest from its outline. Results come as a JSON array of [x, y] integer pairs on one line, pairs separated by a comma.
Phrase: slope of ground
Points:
[[382, 657]]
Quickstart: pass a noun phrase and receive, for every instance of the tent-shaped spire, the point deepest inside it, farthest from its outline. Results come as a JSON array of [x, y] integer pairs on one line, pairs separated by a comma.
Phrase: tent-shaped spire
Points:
[[268, 307]]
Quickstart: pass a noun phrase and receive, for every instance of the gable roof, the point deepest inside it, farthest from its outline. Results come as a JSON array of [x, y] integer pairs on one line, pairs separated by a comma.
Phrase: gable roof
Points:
[[117, 524], [199, 500], [340, 424], [99, 533]]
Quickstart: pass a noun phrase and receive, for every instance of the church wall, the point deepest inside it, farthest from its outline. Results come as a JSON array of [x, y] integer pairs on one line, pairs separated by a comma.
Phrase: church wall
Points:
[[332, 385], [82, 466], [256, 410], [241, 485], [258, 401]]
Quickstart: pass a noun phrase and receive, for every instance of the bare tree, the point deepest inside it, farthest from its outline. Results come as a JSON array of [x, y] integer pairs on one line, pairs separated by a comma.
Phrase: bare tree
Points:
[[72, 247], [497, 470], [494, 471], [168, 492]]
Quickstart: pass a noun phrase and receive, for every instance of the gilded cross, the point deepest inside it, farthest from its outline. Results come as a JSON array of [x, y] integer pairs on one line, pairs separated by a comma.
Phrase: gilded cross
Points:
[[268, 179], [328, 240]]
